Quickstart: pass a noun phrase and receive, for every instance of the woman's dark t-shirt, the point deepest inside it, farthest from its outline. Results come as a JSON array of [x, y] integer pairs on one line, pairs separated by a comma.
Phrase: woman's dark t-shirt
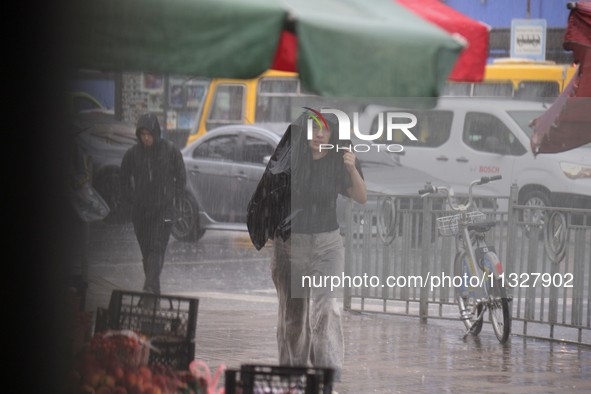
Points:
[[328, 178]]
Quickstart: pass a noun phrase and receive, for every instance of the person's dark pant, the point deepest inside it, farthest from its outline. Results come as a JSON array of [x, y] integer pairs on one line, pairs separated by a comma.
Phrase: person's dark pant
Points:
[[152, 233]]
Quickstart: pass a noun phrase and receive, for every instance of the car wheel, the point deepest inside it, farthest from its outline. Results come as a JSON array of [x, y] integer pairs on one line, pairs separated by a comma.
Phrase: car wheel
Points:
[[107, 185], [538, 199], [186, 225]]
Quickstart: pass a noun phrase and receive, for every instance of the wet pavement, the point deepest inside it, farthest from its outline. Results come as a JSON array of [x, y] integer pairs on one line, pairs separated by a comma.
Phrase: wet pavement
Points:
[[383, 354]]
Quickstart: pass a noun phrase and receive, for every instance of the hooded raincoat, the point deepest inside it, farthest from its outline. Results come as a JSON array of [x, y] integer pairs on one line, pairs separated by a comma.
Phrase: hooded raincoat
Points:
[[151, 177]]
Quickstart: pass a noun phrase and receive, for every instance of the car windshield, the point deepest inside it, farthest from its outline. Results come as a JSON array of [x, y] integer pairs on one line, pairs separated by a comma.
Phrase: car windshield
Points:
[[522, 118]]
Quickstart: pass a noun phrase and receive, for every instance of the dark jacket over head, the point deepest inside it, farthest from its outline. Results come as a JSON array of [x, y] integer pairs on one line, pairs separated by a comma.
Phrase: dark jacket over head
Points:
[[286, 176], [152, 176]]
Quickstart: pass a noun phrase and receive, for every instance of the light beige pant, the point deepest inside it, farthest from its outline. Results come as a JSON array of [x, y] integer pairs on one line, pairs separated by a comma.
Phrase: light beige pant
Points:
[[309, 324]]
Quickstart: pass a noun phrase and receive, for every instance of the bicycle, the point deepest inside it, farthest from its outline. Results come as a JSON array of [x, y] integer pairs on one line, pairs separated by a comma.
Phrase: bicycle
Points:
[[480, 288]]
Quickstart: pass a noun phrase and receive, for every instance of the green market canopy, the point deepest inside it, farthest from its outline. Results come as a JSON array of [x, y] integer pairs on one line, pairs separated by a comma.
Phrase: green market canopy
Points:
[[347, 48]]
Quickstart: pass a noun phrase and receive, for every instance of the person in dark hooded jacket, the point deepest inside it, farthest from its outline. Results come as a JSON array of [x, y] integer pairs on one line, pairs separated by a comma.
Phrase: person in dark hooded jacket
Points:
[[152, 175]]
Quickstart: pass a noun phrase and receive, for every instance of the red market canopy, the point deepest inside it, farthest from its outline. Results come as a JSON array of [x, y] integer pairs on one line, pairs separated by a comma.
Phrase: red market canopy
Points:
[[567, 123], [470, 65]]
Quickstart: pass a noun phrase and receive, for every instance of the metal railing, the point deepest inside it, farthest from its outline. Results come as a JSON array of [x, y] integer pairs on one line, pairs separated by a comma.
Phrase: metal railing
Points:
[[406, 272]]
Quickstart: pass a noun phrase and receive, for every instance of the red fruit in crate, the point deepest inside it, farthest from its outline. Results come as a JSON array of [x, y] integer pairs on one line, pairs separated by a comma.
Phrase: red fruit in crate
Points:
[[104, 390], [108, 380], [118, 374], [148, 388], [119, 390], [135, 389], [161, 381], [92, 379], [111, 363], [130, 379], [146, 373]]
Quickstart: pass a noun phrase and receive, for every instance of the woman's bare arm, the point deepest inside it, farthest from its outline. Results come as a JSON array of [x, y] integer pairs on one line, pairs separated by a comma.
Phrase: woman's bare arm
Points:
[[358, 191]]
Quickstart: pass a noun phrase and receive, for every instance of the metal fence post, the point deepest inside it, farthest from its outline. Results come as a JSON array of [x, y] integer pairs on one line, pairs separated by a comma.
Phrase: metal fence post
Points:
[[511, 254], [385, 269], [348, 253], [425, 258], [579, 278], [532, 264]]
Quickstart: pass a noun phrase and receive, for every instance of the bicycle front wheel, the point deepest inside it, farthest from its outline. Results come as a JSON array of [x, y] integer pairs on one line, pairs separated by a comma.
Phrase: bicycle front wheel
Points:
[[499, 313], [469, 312]]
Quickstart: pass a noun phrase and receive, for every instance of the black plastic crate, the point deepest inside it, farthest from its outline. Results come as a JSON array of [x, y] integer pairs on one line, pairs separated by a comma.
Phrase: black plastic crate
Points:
[[270, 379], [174, 352], [170, 324]]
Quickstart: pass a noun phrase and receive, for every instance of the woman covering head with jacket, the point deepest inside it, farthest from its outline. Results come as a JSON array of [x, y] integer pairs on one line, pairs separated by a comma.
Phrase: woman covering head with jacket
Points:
[[296, 198]]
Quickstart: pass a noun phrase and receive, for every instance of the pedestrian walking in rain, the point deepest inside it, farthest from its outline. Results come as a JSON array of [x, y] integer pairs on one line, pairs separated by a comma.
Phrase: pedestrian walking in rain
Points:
[[152, 176], [300, 186]]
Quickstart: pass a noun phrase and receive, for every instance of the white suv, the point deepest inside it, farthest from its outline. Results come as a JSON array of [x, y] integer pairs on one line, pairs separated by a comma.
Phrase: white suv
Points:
[[462, 139]]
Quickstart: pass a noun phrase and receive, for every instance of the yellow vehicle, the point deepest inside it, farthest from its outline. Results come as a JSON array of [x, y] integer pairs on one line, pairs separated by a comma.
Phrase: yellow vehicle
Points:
[[262, 99], [82, 102], [520, 79], [268, 98]]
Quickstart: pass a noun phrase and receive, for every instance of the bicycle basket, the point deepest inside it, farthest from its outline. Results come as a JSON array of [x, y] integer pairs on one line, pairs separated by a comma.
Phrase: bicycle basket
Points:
[[449, 225]]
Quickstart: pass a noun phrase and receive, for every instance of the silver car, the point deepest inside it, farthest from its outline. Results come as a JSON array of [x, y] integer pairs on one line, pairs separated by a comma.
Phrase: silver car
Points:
[[223, 169], [105, 140], [225, 165]]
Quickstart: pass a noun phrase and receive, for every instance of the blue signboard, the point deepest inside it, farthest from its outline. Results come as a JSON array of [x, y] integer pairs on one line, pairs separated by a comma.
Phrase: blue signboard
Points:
[[528, 39]]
